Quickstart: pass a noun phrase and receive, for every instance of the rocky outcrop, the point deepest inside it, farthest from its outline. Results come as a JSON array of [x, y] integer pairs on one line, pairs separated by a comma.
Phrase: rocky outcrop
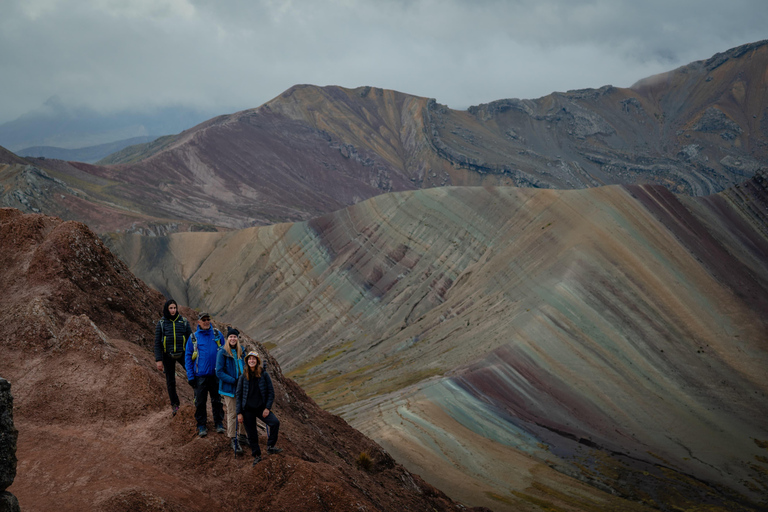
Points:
[[34, 191], [714, 120], [8, 436]]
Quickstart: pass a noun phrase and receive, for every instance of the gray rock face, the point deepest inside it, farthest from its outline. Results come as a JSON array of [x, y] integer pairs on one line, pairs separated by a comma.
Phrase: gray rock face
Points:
[[714, 120], [8, 436]]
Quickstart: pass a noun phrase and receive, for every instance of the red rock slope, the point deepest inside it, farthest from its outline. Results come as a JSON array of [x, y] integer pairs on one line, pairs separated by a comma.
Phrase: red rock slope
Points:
[[95, 431]]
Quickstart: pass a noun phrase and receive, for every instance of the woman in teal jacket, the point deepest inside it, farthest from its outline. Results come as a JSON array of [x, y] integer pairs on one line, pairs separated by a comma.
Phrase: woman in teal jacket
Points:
[[229, 368]]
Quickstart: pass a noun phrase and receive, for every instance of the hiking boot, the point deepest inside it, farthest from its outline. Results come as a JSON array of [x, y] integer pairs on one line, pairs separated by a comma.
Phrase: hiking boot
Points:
[[236, 447], [256, 460], [202, 431], [175, 409], [273, 449], [220, 429], [243, 440]]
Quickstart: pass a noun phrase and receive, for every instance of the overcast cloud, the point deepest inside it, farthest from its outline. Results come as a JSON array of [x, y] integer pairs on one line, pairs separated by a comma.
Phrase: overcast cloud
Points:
[[237, 54]]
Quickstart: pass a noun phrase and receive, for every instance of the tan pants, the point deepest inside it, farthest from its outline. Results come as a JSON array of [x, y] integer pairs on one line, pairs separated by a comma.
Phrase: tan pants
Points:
[[229, 403]]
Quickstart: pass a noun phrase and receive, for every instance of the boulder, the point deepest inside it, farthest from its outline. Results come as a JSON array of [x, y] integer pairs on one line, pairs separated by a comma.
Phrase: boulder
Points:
[[8, 436]]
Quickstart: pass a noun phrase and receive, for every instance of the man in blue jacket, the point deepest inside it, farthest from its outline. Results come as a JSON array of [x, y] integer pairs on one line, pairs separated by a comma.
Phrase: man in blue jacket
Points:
[[200, 359]]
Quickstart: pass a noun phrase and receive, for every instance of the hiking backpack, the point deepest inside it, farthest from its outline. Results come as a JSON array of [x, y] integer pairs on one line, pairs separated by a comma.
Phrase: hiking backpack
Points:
[[217, 337]]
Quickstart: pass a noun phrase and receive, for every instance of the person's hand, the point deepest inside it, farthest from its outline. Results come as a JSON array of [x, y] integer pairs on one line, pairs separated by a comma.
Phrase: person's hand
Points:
[[159, 365], [265, 413], [193, 383], [240, 418]]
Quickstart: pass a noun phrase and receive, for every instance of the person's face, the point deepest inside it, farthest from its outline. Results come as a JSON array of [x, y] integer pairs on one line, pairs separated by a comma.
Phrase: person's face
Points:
[[232, 338], [172, 309], [252, 362], [205, 323]]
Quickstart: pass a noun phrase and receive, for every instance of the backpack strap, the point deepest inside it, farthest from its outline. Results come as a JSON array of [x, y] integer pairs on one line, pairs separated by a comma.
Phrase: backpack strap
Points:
[[162, 331], [193, 338]]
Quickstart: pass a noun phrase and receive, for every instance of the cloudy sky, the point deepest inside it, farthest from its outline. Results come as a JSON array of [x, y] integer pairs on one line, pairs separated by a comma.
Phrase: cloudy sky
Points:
[[236, 54]]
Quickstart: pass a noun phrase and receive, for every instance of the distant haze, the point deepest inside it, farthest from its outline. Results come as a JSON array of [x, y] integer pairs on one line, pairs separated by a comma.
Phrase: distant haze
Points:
[[113, 55]]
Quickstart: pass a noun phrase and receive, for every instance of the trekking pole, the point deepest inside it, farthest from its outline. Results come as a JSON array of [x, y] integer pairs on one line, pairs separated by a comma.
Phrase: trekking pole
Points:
[[237, 436]]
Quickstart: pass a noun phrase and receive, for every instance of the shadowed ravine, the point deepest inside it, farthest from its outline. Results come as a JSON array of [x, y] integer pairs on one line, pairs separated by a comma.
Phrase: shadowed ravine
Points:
[[486, 335]]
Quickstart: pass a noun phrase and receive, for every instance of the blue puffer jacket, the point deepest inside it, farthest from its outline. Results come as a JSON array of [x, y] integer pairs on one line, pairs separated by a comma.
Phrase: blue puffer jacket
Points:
[[208, 343], [229, 368]]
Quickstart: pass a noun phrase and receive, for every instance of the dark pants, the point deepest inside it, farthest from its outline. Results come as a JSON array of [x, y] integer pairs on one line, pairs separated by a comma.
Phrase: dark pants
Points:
[[249, 421], [169, 367], [208, 384]]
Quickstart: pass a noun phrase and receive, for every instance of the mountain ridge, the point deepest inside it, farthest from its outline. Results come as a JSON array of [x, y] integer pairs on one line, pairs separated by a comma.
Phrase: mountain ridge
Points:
[[311, 150], [90, 154]]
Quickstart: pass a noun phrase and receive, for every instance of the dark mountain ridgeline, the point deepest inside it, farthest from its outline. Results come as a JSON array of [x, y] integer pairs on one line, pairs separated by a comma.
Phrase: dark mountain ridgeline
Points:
[[695, 130], [89, 154]]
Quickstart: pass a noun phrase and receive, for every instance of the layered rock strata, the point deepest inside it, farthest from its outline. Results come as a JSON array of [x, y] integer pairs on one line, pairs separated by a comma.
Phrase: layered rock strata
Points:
[[614, 333]]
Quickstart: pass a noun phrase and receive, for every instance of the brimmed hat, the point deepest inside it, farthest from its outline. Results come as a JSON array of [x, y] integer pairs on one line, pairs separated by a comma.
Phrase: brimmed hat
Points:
[[254, 354], [203, 315]]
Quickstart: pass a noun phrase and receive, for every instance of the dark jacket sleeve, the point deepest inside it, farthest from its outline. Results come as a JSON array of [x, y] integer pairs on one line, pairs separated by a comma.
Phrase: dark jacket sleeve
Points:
[[239, 395], [159, 341], [270, 390]]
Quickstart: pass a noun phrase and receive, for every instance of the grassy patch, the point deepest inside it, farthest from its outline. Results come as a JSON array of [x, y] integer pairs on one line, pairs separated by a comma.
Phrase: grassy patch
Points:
[[364, 462], [335, 389], [301, 371]]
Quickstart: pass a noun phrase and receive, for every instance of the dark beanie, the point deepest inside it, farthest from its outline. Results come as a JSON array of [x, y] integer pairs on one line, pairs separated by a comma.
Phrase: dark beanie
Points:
[[231, 331]]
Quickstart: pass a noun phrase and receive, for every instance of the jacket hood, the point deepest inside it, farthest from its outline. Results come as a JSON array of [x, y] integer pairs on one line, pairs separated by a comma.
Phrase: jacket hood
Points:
[[166, 313]]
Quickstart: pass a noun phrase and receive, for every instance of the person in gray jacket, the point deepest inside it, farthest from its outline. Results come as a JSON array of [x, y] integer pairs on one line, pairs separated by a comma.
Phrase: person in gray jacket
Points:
[[254, 397]]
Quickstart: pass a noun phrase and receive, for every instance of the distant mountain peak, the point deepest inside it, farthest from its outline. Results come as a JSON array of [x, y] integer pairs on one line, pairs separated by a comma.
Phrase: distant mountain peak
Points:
[[734, 53]]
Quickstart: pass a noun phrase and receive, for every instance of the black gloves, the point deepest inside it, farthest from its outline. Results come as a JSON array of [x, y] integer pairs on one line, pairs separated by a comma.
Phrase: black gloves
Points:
[[193, 383]]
